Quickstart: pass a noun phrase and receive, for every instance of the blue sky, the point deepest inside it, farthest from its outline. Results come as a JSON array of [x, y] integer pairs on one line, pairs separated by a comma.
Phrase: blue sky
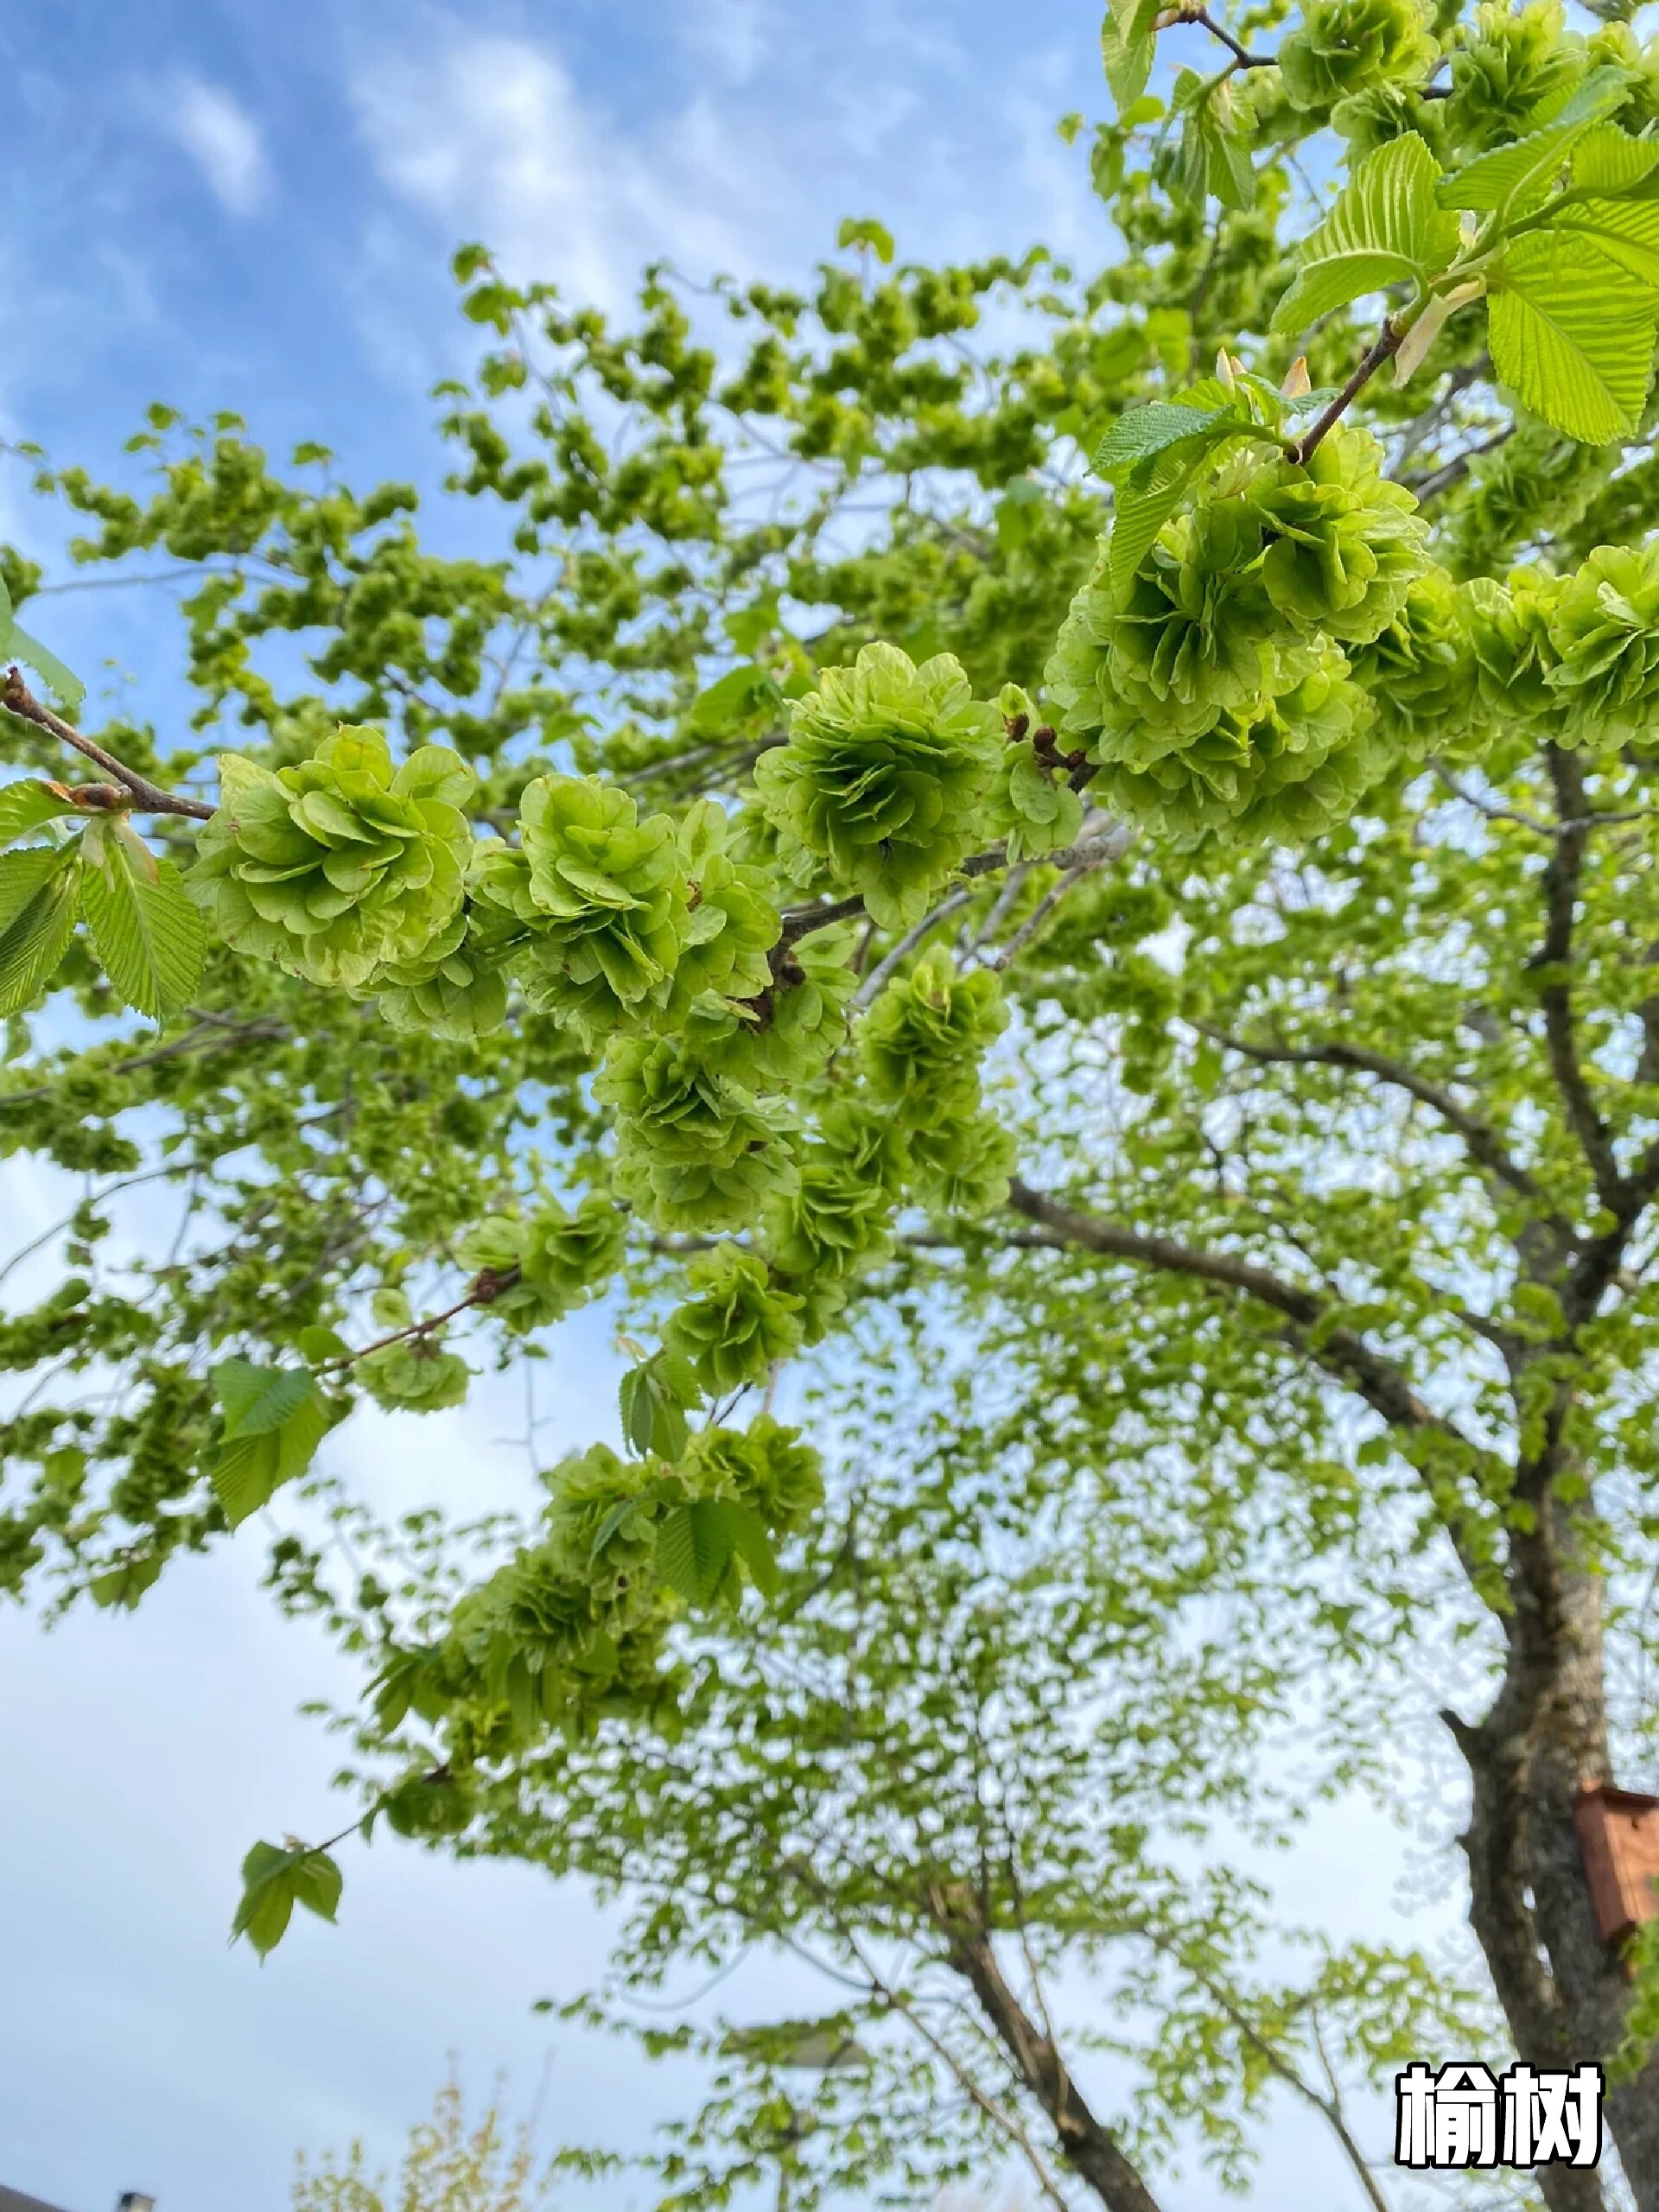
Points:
[[226, 204]]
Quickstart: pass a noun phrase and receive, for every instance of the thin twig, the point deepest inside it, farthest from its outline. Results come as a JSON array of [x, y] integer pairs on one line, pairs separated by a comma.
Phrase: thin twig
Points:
[[17, 698], [1382, 347], [908, 944]]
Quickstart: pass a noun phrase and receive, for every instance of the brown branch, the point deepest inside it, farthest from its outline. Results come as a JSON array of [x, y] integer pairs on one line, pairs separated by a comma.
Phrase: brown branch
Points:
[[1342, 1352], [1486, 1146], [1240, 52], [487, 1287], [18, 699], [1088, 2147], [1103, 844], [1553, 957], [1382, 347]]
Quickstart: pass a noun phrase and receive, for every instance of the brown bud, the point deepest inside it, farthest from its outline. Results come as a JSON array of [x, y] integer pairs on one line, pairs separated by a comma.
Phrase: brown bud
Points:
[[1016, 726]]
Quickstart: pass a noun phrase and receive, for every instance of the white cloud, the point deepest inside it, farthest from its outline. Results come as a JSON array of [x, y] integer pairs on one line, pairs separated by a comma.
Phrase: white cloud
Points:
[[222, 139], [731, 35], [489, 138]]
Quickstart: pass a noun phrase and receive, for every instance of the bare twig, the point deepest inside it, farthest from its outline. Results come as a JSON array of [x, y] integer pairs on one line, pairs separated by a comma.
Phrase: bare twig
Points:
[[1382, 347], [18, 699]]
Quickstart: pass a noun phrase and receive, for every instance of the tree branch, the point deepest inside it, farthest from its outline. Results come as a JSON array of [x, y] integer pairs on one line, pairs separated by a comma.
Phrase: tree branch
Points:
[[1486, 1146], [18, 699], [1342, 1352], [1087, 2147], [1382, 347], [1553, 957]]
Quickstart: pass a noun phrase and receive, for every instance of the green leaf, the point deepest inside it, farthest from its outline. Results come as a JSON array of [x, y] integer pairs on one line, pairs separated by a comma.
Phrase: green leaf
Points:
[[148, 932], [123, 1585], [622, 1511], [1572, 335], [318, 1343], [753, 1543], [1607, 159], [1144, 504], [1145, 431], [275, 1418], [636, 1397], [1510, 175], [1625, 228], [865, 231], [39, 888], [273, 1882], [16, 643], [693, 1549], [738, 694], [1126, 49], [25, 806], [1387, 228], [256, 1400]]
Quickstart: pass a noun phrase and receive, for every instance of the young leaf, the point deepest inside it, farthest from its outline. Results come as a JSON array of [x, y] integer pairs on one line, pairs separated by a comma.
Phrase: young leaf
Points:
[[1386, 228], [25, 806], [257, 1400], [739, 693], [275, 1418], [1509, 174], [148, 932], [693, 1549], [1572, 335], [273, 1882], [1144, 431], [865, 231], [1126, 49], [39, 888], [16, 643], [753, 1546], [1626, 230]]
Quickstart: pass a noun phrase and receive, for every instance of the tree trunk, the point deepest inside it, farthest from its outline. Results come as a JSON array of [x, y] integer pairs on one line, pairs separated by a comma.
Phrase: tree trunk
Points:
[[1563, 1991]]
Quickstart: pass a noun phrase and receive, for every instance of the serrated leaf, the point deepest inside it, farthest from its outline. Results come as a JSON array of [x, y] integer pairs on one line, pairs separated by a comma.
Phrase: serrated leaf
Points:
[[27, 805], [273, 1882], [693, 1549], [1145, 431], [1572, 335], [1510, 175], [636, 1399], [1142, 506], [39, 890], [257, 1400], [1386, 227], [1607, 159], [16, 644], [622, 1511], [1626, 230], [1126, 49], [149, 934]]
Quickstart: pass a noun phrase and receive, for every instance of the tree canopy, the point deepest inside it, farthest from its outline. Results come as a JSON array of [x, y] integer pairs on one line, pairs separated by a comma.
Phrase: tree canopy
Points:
[[1071, 845]]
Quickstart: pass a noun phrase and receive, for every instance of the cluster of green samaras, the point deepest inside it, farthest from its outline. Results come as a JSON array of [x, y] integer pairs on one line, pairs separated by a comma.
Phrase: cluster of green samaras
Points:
[[573, 1628], [662, 941], [1286, 641]]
